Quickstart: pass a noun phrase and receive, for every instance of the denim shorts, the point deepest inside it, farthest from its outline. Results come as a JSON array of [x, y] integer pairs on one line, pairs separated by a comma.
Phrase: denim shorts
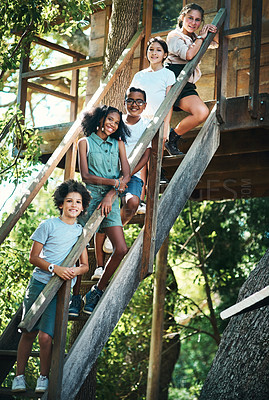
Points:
[[135, 186], [112, 219], [46, 322]]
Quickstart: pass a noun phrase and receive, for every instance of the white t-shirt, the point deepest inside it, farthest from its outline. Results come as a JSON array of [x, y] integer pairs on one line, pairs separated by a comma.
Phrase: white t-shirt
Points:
[[155, 84], [136, 132]]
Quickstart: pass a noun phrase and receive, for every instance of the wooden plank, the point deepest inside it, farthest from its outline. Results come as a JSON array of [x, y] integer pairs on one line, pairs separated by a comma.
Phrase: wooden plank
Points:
[[39, 181], [159, 290], [250, 303], [57, 47], [238, 32], [22, 84], [255, 58], [74, 93], [43, 89], [99, 326], [9, 340], [152, 204], [58, 350], [91, 62], [147, 24]]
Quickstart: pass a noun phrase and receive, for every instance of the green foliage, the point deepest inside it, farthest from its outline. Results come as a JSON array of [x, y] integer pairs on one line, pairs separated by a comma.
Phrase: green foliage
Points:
[[21, 20], [17, 140]]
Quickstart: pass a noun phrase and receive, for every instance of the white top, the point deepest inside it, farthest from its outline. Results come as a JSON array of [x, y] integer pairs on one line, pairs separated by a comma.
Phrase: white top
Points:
[[137, 131], [155, 84], [178, 45]]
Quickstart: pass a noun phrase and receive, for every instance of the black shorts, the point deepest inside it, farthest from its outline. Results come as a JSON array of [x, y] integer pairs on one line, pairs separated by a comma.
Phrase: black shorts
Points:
[[189, 88]]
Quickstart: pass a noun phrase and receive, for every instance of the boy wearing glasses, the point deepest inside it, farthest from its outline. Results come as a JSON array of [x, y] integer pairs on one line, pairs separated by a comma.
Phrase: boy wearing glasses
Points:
[[135, 104]]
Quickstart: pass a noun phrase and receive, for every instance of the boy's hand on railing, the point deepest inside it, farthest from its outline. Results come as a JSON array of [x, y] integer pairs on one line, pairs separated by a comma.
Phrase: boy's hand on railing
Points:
[[64, 272]]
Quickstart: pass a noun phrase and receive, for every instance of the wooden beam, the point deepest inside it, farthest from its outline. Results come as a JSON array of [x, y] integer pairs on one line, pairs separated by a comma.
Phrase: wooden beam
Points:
[[147, 24], [57, 47], [238, 32], [74, 92], [155, 355], [254, 69], [222, 68], [43, 89], [34, 187], [9, 340], [256, 300], [91, 62], [230, 193], [22, 85], [152, 204]]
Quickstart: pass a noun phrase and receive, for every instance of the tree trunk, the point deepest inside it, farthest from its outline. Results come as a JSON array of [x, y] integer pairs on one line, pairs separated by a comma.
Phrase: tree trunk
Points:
[[122, 27], [241, 367]]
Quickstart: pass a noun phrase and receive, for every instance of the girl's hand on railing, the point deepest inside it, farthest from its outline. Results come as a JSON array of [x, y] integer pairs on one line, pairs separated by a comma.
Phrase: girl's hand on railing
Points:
[[122, 185], [207, 28]]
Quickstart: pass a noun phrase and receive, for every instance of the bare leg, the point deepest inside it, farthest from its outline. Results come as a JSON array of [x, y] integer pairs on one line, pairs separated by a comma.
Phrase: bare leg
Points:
[[98, 244], [24, 350], [198, 113], [45, 343], [129, 208], [115, 234], [144, 179]]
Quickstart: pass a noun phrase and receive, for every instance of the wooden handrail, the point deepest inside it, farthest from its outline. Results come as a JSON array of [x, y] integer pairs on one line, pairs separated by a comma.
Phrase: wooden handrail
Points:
[[67, 141], [51, 288]]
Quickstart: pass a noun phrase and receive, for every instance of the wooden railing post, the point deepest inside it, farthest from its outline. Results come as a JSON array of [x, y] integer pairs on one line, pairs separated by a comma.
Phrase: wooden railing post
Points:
[[147, 24], [152, 204], [254, 68], [222, 67]]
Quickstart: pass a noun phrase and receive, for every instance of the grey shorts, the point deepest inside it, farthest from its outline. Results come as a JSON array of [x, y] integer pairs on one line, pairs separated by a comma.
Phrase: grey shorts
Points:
[[46, 322]]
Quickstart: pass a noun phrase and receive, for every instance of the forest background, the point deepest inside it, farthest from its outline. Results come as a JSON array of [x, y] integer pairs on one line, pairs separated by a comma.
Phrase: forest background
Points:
[[213, 246]]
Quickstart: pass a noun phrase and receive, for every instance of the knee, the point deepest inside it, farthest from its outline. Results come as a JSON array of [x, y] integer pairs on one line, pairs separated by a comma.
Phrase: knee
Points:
[[44, 339], [121, 251], [132, 205], [202, 113]]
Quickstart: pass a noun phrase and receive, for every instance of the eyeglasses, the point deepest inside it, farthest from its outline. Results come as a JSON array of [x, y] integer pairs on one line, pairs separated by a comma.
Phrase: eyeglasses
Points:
[[138, 102]]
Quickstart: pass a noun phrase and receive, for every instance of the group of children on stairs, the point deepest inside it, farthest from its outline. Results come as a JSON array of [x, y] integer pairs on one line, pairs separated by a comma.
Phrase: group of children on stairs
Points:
[[103, 160]]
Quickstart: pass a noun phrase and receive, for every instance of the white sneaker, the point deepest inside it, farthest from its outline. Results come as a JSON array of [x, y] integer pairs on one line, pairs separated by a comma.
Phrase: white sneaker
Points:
[[41, 384], [97, 273], [141, 208], [107, 246], [18, 384]]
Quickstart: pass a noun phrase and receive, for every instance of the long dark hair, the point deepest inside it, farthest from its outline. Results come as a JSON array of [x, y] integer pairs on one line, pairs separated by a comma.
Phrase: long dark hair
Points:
[[188, 8], [157, 39], [91, 122]]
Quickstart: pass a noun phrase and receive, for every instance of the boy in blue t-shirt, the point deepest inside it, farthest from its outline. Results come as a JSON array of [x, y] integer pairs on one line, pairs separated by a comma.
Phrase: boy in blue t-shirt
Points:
[[52, 242]]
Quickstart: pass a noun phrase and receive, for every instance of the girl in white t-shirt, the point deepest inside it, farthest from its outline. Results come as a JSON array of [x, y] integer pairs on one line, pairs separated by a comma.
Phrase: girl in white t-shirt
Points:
[[156, 81], [183, 45]]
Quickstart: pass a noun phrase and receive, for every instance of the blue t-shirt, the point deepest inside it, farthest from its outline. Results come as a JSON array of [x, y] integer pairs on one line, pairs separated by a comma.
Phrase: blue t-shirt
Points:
[[57, 238]]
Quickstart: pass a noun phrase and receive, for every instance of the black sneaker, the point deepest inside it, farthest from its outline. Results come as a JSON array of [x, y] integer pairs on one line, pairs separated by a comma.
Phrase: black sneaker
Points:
[[91, 299], [75, 306]]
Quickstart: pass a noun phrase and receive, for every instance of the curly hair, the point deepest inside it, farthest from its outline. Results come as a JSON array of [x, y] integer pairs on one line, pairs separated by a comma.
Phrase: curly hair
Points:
[[68, 187], [91, 122], [188, 8], [159, 40]]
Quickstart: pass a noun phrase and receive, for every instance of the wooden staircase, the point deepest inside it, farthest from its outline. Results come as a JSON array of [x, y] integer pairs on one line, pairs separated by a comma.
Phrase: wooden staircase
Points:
[[70, 372]]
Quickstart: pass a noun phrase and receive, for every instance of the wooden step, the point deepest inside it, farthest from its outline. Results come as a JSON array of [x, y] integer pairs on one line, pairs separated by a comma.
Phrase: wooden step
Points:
[[6, 394]]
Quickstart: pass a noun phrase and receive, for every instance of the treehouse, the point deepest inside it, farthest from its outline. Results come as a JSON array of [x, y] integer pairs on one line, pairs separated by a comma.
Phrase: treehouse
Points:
[[226, 158]]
